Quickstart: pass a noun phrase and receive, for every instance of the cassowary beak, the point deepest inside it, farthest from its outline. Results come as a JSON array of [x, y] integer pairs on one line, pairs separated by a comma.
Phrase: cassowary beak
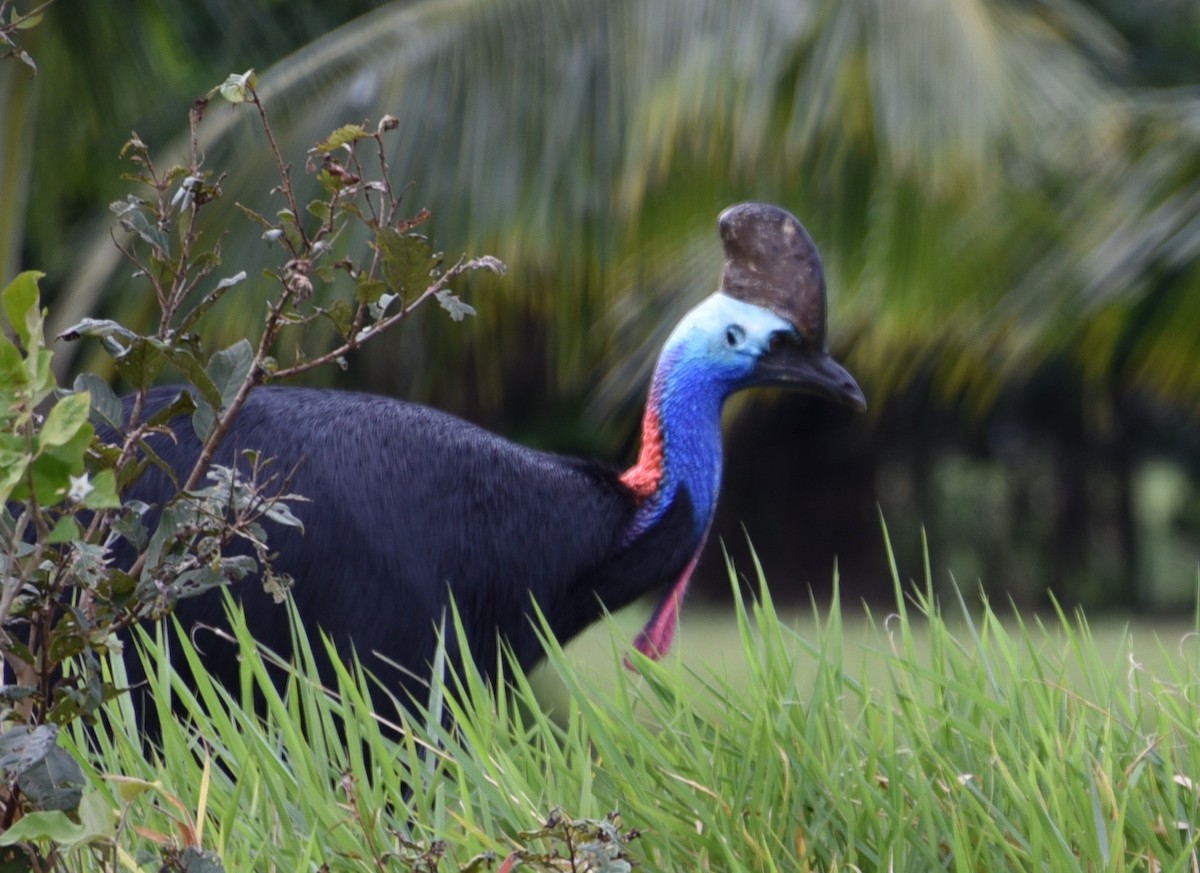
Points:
[[796, 366]]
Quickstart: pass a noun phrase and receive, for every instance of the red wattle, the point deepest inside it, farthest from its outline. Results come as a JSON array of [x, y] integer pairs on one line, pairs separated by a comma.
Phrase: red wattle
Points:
[[656, 637], [644, 477]]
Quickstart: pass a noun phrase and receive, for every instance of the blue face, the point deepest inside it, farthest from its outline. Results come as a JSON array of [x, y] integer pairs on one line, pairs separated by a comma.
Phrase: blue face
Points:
[[720, 347], [713, 352], [726, 337]]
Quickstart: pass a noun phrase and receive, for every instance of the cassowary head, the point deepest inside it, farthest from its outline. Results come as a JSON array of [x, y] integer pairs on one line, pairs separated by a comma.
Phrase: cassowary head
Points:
[[766, 323]]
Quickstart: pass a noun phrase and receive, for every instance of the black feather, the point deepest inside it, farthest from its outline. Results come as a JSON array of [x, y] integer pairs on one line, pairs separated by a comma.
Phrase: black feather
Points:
[[409, 504]]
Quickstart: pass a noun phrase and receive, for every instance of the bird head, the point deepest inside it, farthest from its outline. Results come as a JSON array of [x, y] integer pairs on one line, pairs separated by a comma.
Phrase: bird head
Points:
[[766, 323]]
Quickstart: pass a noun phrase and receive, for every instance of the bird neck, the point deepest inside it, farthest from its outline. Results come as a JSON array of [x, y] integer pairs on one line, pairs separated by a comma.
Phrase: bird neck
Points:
[[681, 443]]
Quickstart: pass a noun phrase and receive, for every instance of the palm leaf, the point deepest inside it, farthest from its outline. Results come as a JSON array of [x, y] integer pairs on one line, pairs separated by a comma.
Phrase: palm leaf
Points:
[[591, 144]]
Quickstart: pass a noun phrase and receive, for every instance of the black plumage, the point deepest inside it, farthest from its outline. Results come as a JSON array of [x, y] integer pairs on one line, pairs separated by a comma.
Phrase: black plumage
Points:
[[407, 501]]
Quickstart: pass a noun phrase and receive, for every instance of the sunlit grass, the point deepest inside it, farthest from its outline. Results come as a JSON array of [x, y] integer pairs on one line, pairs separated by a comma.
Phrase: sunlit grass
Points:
[[710, 642], [907, 741]]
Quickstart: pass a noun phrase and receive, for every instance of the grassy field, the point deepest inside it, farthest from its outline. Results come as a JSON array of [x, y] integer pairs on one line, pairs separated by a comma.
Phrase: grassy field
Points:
[[710, 643], [916, 741]]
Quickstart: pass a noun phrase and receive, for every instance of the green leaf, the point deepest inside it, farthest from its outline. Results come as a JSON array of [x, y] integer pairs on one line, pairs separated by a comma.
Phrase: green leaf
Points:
[[51, 478], [204, 420], [104, 328], [40, 826], [40, 376], [12, 365], [141, 362], [408, 260], [27, 59], [162, 268], [193, 860], [454, 305], [72, 451], [119, 587], [329, 182], [281, 513], [130, 525], [12, 693], [173, 518], [97, 816], [184, 403], [349, 207], [106, 406], [66, 529], [54, 783], [21, 307], [369, 290], [65, 419], [347, 133], [132, 213], [237, 88], [229, 368], [12, 471], [342, 315], [104, 492], [187, 361], [175, 174], [66, 642], [320, 209], [256, 217], [97, 821], [197, 312], [235, 279], [130, 788], [23, 746], [290, 229]]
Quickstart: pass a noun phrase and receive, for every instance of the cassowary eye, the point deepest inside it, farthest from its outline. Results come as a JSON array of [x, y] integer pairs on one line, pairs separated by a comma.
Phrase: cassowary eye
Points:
[[775, 342]]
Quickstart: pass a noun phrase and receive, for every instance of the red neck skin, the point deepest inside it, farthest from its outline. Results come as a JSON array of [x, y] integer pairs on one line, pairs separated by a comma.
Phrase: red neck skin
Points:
[[644, 477], [656, 638], [645, 480]]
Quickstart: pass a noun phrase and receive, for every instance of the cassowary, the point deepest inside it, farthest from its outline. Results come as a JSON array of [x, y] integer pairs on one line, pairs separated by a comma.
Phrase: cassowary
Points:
[[410, 506]]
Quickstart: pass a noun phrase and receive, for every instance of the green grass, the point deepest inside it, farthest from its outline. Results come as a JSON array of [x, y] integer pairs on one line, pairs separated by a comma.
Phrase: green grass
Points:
[[904, 742], [710, 642]]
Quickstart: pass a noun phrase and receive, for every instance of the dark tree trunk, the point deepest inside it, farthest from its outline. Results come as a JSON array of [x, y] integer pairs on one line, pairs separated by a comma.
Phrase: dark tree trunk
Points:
[[800, 484], [1070, 549], [1125, 512]]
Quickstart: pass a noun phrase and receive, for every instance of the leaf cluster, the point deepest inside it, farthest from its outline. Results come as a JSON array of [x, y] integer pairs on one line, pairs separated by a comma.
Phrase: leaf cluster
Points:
[[12, 23], [577, 845], [69, 455]]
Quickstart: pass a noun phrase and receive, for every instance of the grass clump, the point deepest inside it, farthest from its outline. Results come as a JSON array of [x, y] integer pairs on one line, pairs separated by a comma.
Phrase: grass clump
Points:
[[990, 744]]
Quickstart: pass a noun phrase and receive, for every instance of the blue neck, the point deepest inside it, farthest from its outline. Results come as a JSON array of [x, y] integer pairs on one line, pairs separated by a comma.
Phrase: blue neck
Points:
[[714, 351], [685, 407], [690, 414], [711, 354]]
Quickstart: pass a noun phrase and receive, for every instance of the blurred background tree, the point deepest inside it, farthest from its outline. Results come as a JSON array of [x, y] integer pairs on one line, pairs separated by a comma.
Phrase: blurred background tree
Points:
[[1006, 194]]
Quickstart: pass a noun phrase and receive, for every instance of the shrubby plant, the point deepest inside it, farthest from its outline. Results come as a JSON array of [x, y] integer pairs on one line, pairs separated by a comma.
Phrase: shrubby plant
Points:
[[13, 24], [67, 454]]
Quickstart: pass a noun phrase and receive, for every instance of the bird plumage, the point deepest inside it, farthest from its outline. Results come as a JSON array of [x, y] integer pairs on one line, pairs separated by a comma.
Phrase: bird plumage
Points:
[[411, 506], [408, 504]]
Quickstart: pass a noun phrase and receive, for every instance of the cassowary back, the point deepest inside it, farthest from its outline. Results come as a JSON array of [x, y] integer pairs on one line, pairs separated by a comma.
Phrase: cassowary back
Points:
[[406, 505]]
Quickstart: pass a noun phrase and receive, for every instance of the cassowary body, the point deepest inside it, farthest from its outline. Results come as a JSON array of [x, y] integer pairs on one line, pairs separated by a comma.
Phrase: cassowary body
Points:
[[410, 506]]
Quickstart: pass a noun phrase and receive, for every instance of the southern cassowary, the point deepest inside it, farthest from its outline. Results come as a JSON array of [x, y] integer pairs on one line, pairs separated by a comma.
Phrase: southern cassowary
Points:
[[411, 505]]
